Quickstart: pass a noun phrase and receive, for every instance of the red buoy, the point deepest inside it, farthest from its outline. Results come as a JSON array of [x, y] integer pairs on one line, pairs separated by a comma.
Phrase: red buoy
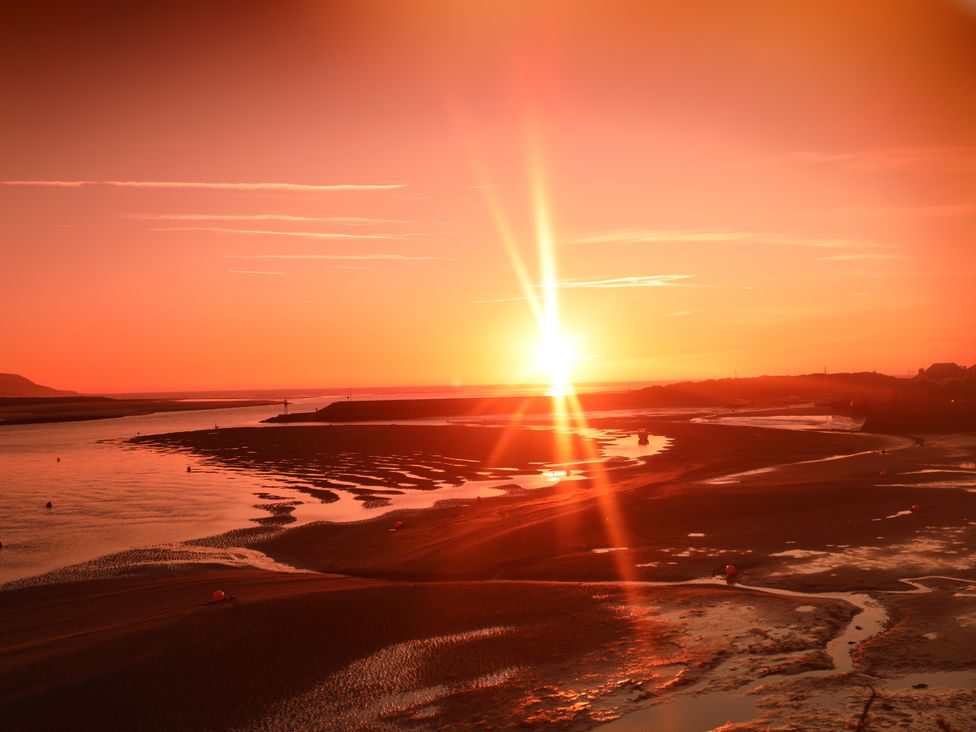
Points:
[[916, 508], [219, 596], [730, 570], [397, 524]]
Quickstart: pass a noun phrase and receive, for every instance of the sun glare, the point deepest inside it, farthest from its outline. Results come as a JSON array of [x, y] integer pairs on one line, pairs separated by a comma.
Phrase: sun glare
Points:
[[555, 356]]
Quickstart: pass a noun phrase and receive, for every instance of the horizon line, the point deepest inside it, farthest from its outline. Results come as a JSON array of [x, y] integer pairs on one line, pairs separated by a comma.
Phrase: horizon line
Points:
[[540, 384]]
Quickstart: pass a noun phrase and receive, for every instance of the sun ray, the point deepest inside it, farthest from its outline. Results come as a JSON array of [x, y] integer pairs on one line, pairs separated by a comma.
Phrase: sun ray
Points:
[[555, 356], [554, 348]]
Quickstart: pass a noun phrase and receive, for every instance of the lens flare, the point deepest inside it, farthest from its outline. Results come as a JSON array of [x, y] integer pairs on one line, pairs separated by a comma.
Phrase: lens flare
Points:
[[555, 353], [555, 356]]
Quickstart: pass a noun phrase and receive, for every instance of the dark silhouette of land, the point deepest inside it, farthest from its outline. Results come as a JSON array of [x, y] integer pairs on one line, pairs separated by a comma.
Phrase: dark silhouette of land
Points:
[[12, 385], [31, 410], [24, 402], [941, 398], [761, 391]]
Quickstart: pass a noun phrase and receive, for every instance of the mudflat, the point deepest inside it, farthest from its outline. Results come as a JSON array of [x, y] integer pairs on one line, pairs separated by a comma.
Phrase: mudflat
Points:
[[594, 601]]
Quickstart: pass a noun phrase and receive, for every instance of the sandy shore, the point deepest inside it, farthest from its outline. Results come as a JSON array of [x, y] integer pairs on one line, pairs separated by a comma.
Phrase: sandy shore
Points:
[[537, 609]]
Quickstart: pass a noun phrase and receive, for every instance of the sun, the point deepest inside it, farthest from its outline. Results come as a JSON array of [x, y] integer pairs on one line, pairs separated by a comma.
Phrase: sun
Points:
[[556, 354]]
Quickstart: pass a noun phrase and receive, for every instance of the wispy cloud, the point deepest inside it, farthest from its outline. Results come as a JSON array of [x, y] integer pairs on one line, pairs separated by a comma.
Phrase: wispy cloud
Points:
[[252, 272], [863, 255], [681, 313], [640, 236], [272, 217], [205, 186], [945, 158], [669, 280], [299, 234], [345, 257], [350, 266], [670, 236]]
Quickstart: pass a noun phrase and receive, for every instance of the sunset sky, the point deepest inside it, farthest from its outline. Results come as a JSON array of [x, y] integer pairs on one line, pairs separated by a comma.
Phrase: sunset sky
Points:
[[289, 194]]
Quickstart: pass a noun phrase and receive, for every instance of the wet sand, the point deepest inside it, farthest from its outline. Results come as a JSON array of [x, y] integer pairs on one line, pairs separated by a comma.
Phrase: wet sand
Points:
[[306, 651], [375, 462], [535, 609]]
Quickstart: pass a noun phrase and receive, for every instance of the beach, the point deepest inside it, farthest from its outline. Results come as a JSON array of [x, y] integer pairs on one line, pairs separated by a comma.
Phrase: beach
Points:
[[440, 366], [571, 605]]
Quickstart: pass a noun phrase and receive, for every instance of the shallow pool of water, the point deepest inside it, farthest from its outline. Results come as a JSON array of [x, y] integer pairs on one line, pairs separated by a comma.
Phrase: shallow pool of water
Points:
[[828, 422], [108, 496]]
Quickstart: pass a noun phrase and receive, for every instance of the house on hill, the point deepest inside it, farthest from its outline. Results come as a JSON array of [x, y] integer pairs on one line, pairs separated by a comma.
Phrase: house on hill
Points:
[[942, 371]]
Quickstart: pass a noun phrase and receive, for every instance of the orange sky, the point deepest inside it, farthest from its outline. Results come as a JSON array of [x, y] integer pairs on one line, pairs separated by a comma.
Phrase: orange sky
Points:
[[761, 187]]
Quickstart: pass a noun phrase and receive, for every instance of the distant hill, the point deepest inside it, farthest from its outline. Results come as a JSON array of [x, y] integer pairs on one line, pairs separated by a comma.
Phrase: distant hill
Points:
[[941, 398], [770, 390], [12, 385], [835, 390]]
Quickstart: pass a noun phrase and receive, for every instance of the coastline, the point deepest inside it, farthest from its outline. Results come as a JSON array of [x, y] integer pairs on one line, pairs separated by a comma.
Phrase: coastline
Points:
[[43, 410], [458, 570]]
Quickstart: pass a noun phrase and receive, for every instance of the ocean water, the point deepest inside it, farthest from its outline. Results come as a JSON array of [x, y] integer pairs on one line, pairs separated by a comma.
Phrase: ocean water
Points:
[[108, 496]]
